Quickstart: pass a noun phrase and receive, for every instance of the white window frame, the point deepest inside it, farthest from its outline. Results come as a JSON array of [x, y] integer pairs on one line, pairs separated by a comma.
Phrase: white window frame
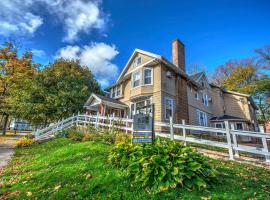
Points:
[[222, 126], [241, 124], [205, 119], [136, 72], [136, 62], [206, 99], [133, 112], [151, 69], [171, 104], [196, 95], [118, 88]]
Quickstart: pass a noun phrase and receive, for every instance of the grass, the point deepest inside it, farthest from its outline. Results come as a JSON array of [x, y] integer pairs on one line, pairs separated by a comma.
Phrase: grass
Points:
[[63, 169]]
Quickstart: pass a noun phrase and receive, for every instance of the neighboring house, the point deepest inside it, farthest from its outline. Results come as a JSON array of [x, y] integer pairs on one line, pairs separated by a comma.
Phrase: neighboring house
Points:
[[150, 79], [212, 106]]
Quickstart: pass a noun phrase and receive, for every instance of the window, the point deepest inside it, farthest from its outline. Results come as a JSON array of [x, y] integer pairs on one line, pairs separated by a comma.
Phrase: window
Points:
[[239, 126], [205, 99], [203, 84], [136, 79], [141, 107], [196, 95], [220, 125], [202, 116], [118, 89], [147, 76], [113, 92], [137, 61], [168, 108]]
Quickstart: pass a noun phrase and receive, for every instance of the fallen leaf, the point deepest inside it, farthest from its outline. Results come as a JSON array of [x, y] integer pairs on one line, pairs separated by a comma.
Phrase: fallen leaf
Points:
[[88, 176], [29, 194], [56, 188]]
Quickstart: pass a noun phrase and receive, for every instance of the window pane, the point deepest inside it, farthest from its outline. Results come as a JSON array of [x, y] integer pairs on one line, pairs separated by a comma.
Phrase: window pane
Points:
[[147, 76], [239, 126], [168, 108], [136, 79]]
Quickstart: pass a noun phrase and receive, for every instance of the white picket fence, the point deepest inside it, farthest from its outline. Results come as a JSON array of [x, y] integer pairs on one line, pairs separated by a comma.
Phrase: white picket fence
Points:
[[125, 124]]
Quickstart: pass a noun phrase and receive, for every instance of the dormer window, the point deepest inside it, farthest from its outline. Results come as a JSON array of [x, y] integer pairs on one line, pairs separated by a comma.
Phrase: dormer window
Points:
[[137, 61]]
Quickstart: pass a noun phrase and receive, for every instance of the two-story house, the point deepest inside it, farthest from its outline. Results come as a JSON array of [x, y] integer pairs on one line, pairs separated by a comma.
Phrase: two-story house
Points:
[[150, 79]]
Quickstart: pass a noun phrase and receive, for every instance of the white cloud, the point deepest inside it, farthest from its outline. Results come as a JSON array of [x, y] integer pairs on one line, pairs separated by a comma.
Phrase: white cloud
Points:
[[97, 56], [38, 52], [21, 17], [15, 18]]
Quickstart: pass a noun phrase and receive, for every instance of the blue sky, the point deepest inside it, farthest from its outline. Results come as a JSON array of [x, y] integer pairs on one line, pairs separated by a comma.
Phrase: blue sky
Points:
[[103, 34]]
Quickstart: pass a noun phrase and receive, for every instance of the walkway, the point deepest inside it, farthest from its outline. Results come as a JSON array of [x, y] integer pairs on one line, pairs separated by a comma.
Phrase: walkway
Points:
[[7, 145]]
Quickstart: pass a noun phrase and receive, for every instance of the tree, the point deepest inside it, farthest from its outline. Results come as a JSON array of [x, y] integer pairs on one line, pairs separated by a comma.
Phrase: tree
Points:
[[15, 72], [58, 91], [237, 76], [264, 57], [261, 97]]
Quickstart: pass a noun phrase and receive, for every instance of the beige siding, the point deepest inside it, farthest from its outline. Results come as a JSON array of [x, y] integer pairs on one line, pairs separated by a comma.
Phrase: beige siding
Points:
[[217, 104], [144, 59], [237, 106]]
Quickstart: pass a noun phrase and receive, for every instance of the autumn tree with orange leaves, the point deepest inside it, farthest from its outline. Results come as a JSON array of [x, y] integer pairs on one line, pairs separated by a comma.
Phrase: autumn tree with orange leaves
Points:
[[16, 73]]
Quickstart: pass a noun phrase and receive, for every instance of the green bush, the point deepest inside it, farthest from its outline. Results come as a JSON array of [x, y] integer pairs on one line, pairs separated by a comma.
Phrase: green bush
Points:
[[76, 135], [163, 165]]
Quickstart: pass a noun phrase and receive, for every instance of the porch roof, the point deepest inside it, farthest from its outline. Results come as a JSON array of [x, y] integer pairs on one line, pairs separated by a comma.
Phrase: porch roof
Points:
[[227, 117], [100, 99]]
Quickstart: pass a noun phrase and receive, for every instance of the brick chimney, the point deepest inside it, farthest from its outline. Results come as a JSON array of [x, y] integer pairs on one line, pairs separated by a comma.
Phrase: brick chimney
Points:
[[178, 54]]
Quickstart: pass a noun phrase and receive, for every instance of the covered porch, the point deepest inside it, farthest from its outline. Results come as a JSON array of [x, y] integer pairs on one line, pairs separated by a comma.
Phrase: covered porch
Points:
[[105, 106]]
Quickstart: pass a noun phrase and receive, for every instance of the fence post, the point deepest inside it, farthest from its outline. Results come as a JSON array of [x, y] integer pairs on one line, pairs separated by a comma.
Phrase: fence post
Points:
[[235, 143], [77, 119], [171, 128], [110, 118], [184, 132], [229, 142], [265, 148], [62, 124], [127, 124], [113, 118], [97, 120], [72, 119], [84, 123]]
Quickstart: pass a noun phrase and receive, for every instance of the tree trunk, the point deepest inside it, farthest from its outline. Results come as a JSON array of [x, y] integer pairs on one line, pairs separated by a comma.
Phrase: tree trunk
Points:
[[5, 124]]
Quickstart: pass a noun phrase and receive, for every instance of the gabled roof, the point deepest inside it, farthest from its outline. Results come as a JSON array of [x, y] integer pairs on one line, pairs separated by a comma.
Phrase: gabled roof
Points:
[[158, 58], [197, 76], [105, 100], [133, 55]]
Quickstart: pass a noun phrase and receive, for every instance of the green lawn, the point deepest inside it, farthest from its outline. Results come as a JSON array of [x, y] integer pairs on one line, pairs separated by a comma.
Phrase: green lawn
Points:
[[63, 169]]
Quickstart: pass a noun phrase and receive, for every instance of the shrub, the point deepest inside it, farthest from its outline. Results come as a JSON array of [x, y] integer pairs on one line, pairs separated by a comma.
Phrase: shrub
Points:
[[24, 142], [121, 138], [163, 165], [76, 135], [63, 133], [90, 137]]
